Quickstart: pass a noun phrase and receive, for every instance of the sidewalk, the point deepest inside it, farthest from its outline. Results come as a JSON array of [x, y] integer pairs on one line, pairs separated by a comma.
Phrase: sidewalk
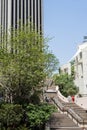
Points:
[[82, 102]]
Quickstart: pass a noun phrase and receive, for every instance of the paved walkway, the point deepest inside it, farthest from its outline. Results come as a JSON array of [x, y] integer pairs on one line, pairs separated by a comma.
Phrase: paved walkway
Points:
[[82, 102]]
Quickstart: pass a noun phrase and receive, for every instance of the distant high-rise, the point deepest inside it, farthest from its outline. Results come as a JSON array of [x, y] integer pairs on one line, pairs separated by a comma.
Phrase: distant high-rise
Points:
[[25, 11]]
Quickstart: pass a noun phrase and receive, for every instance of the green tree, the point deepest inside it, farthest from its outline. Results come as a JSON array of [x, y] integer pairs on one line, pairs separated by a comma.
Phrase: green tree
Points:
[[24, 62], [51, 63], [66, 84]]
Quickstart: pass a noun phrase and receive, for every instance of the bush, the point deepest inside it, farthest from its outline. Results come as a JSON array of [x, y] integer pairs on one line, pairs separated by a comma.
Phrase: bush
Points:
[[10, 115], [38, 115], [13, 117]]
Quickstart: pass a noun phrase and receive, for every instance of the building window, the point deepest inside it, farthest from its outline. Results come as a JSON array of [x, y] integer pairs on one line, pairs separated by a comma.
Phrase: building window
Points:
[[76, 59], [80, 55], [66, 70], [82, 76]]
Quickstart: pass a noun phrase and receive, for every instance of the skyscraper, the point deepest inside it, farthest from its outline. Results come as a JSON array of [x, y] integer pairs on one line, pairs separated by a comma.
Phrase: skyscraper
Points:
[[25, 11]]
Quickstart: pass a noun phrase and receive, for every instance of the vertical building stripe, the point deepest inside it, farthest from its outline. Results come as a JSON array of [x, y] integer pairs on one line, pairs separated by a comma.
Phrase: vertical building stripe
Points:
[[0, 12], [27, 10], [16, 9], [13, 11], [17, 13], [21, 12], [14, 4], [19, 9]]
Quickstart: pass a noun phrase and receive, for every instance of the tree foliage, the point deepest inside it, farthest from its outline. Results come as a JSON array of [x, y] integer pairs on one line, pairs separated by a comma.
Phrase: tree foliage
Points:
[[14, 117], [38, 115], [66, 84], [24, 63], [51, 63]]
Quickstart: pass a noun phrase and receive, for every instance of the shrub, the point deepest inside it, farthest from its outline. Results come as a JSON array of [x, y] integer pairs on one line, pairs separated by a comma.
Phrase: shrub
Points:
[[10, 115]]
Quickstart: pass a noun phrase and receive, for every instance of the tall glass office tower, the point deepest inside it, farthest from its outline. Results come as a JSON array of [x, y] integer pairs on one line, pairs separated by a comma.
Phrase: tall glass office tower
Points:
[[25, 11]]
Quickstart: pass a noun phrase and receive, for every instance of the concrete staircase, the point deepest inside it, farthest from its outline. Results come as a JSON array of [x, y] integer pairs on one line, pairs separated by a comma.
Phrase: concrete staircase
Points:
[[71, 116], [75, 112], [62, 122]]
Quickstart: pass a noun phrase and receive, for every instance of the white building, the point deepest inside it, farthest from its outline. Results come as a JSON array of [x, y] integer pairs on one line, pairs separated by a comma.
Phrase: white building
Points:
[[80, 68], [80, 65], [66, 68]]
